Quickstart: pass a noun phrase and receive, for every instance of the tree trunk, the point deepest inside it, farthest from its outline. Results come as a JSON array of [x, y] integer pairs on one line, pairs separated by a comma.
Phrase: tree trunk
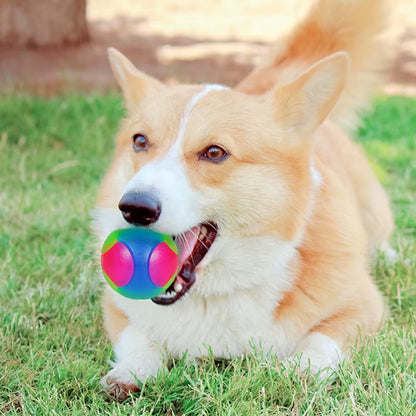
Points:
[[43, 22]]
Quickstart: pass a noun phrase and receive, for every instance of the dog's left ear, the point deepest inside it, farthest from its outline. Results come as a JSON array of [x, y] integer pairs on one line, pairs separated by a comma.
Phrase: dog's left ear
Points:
[[134, 83], [305, 103]]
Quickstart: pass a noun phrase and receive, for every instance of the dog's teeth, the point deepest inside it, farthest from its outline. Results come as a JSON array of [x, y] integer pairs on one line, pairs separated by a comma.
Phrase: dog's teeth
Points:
[[167, 295], [178, 287], [203, 231]]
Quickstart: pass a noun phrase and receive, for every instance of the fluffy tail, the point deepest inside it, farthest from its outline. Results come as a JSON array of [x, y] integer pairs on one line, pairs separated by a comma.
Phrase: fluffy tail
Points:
[[353, 26]]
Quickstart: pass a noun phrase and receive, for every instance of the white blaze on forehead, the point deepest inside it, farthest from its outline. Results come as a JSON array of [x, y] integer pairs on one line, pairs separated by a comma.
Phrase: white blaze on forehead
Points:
[[191, 104], [182, 205]]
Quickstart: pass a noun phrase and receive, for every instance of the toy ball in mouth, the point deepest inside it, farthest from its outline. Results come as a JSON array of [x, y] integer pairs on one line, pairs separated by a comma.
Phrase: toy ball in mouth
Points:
[[139, 263]]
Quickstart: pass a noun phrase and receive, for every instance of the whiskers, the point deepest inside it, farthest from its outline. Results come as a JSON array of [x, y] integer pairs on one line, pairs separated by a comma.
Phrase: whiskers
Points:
[[213, 225], [198, 238], [184, 243], [199, 235]]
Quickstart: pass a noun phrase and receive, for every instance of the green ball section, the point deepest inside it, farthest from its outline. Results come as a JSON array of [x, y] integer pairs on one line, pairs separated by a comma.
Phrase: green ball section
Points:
[[168, 240], [110, 240], [110, 282]]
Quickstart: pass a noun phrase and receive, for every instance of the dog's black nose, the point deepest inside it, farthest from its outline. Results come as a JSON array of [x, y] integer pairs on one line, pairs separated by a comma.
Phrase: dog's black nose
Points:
[[140, 208]]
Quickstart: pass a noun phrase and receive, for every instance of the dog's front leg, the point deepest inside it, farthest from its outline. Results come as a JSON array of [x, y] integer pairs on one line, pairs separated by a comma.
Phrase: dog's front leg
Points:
[[136, 359]]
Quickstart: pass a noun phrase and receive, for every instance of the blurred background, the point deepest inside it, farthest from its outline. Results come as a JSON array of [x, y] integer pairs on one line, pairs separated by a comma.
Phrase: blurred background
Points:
[[54, 46]]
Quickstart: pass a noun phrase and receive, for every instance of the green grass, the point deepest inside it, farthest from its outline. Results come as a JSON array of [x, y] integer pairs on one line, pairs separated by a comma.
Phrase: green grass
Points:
[[53, 351]]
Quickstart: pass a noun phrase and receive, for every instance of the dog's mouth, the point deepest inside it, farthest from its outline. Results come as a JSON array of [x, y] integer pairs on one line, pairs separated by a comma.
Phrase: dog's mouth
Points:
[[193, 246]]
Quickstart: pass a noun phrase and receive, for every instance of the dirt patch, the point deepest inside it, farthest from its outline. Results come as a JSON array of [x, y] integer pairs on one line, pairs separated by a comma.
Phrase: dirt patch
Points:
[[182, 41]]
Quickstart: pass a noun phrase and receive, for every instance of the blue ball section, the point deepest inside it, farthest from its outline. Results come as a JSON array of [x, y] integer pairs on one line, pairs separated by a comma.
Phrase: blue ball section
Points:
[[141, 244]]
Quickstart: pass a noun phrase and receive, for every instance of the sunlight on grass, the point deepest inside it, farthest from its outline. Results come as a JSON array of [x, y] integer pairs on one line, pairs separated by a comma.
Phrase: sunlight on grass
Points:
[[53, 349]]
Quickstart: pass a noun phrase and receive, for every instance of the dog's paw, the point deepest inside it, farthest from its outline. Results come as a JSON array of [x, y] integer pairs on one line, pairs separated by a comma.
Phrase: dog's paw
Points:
[[120, 382], [314, 363], [317, 355], [118, 390], [136, 358]]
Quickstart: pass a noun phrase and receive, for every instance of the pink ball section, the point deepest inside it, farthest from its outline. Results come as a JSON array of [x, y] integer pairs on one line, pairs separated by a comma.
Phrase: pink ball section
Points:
[[118, 264], [163, 264]]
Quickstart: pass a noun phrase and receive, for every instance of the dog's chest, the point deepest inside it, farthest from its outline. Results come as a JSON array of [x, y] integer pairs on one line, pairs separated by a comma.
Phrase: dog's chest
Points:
[[230, 310], [227, 326]]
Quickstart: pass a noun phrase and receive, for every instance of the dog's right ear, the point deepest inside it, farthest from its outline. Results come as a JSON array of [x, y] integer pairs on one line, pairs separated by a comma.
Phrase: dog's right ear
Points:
[[134, 83]]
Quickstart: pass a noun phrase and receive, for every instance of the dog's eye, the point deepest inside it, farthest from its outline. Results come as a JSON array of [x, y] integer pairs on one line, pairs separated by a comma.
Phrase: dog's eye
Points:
[[140, 142], [214, 153]]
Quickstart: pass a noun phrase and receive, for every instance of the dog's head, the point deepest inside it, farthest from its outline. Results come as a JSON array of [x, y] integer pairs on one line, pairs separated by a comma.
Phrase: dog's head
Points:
[[203, 161]]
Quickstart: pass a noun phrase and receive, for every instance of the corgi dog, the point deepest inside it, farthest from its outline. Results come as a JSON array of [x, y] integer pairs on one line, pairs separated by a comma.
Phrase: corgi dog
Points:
[[274, 209]]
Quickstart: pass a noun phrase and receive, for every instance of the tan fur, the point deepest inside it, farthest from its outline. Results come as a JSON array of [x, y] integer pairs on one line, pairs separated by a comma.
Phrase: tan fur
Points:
[[114, 320], [276, 139], [348, 161], [333, 293]]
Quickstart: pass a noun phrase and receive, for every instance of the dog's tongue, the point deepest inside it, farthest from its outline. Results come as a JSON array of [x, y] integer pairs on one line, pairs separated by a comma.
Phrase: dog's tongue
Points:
[[186, 244]]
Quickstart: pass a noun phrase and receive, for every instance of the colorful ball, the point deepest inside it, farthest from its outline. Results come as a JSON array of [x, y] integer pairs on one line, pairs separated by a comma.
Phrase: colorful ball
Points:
[[139, 263]]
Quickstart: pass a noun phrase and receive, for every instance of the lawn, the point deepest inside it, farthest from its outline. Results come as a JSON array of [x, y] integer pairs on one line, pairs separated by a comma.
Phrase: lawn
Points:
[[53, 350]]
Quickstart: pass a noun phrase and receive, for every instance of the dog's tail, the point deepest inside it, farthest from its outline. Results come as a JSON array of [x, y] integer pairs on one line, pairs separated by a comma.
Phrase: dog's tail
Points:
[[353, 26]]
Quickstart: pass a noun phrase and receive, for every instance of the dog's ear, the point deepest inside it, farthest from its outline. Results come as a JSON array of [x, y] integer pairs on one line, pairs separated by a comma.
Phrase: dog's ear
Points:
[[134, 83], [303, 105]]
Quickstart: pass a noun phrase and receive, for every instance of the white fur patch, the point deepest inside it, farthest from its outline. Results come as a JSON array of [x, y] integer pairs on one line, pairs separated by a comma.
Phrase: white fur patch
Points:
[[316, 185], [316, 175], [318, 353], [136, 357]]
